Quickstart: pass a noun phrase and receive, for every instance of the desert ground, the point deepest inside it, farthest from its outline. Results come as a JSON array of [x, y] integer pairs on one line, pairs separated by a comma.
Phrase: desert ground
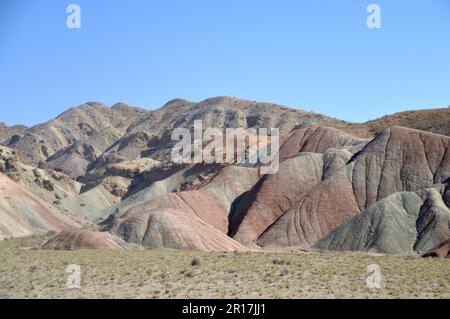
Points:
[[26, 271]]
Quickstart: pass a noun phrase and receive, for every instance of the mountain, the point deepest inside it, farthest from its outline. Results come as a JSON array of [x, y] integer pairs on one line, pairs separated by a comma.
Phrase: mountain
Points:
[[150, 136], [93, 123], [381, 186]]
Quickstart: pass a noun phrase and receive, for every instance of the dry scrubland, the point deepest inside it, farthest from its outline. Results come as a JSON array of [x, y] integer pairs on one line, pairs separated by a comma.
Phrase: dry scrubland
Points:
[[28, 272]]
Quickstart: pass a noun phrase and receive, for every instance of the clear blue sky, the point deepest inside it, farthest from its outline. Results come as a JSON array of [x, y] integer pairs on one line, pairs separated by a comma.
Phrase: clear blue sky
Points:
[[316, 55]]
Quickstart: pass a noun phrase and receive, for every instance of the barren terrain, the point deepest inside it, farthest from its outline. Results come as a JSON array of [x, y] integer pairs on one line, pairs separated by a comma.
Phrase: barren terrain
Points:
[[29, 272]]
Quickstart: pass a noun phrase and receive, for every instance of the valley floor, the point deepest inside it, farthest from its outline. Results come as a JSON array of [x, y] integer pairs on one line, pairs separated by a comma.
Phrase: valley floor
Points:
[[28, 272]]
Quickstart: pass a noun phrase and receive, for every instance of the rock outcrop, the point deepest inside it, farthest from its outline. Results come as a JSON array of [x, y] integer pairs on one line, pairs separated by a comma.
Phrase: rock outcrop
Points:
[[74, 160]]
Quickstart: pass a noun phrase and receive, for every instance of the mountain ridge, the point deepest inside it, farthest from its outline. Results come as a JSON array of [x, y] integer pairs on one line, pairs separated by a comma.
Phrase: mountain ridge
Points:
[[110, 169]]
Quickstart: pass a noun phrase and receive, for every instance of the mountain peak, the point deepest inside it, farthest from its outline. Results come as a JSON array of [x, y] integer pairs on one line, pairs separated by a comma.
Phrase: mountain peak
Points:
[[176, 102]]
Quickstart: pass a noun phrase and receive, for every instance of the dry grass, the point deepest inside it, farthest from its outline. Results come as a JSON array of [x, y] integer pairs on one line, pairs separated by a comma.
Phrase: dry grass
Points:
[[28, 272]]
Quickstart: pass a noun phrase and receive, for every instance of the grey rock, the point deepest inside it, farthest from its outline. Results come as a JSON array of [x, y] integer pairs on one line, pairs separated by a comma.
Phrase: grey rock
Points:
[[388, 226]]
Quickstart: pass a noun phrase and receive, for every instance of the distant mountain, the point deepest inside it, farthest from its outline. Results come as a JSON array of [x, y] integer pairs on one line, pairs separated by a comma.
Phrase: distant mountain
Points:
[[227, 112]]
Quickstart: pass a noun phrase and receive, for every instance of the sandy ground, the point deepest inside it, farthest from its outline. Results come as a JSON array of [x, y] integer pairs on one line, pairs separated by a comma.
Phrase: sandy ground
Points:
[[28, 272]]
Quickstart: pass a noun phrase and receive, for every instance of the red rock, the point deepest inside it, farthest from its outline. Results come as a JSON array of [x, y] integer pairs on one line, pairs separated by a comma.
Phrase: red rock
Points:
[[317, 139], [442, 251], [398, 160]]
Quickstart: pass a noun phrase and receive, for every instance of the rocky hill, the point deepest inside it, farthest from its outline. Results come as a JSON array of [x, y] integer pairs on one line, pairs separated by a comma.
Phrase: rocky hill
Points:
[[93, 123], [433, 120], [381, 186], [24, 214]]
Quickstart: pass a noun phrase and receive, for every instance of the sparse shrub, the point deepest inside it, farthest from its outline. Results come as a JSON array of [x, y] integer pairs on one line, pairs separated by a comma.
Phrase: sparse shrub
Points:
[[195, 262], [33, 268], [284, 272], [280, 262]]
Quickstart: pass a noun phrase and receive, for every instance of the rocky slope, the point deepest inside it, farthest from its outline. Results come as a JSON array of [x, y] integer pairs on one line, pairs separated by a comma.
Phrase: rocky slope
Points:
[[399, 224], [93, 123], [23, 214], [434, 120], [195, 219], [6, 132], [309, 156], [388, 226]]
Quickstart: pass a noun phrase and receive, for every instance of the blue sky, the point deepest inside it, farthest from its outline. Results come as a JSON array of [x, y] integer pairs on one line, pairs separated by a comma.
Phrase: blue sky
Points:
[[309, 54]]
